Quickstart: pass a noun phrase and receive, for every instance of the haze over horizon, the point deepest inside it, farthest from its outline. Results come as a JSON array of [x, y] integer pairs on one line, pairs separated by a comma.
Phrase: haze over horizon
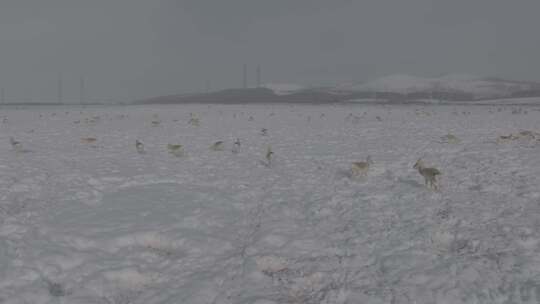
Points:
[[130, 49]]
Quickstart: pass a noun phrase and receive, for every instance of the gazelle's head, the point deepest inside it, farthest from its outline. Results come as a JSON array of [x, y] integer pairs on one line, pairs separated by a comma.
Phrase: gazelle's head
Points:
[[369, 160], [419, 164]]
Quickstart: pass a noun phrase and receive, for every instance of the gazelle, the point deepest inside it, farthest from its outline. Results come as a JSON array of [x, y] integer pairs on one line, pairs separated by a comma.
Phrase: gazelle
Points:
[[529, 135], [88, 140], [361, 168], [269, 155], [236, 146], [217, 146], [16, 145], [139, 146], [506, 138], [429, 174], [194, 121], [450, 139], [176, 149]]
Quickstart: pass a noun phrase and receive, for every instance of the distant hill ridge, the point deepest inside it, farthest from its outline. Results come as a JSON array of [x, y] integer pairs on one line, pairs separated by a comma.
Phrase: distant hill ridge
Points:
[[393, 88], [252, 95]]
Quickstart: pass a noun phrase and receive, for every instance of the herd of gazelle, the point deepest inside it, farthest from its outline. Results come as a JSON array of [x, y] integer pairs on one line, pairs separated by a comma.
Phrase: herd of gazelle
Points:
[[429, 174], [360, 168]]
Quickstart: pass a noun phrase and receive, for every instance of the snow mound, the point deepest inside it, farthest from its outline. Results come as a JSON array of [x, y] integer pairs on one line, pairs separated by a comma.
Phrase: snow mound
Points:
[[283, 88]]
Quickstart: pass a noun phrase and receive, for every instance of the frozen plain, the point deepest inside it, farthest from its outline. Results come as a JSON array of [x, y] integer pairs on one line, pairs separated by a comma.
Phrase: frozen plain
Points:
[[100, 223]]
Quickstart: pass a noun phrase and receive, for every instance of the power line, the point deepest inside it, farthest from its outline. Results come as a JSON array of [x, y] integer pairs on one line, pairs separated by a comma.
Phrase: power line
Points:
[[245, 76], [82, 92], [259, 80], [60, 97]]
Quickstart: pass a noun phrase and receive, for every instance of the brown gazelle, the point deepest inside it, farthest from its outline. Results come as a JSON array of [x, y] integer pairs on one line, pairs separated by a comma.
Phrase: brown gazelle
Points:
[[429, 174], [269, 156], [217, 146], [176, 149], [139, 146], [236, 146], [88, 140], [16, 145], [361, 168]]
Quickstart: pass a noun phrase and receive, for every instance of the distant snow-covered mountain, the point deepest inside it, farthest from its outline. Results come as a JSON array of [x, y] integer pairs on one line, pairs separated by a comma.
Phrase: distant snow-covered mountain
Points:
[[476, 87], [394, 89]]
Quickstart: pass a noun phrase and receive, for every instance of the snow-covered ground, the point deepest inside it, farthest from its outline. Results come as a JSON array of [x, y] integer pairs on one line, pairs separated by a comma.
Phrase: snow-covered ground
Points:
[[85, 221]]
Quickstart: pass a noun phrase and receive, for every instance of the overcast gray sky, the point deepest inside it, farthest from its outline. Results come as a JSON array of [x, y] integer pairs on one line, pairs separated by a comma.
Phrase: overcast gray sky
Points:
[[139, 48]]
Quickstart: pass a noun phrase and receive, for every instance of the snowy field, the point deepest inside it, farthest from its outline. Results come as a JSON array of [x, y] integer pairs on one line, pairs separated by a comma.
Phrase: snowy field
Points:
[[84, 221]]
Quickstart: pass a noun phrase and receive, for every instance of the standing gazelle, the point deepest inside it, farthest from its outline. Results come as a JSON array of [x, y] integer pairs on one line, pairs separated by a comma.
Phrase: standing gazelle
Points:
[[236, 146], [16, 145], [361, 168], [139, 146], [269, 155], [429, 174]]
